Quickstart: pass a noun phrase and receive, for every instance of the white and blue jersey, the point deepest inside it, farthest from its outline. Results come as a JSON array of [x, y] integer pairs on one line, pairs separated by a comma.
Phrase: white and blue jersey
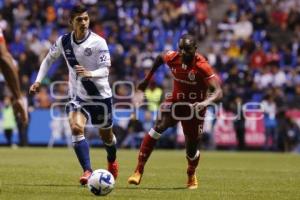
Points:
[[92, 53]]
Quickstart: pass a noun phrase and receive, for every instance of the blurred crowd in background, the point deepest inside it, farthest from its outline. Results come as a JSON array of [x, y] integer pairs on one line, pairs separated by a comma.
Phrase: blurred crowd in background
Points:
[[254, 46]]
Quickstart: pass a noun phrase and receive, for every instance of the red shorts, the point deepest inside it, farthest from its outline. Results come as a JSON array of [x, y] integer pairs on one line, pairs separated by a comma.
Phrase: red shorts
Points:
[[192, 122]]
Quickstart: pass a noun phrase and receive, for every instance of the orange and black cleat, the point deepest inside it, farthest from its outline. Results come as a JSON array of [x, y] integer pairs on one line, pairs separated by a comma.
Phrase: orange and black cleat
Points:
[[85, 176], [136, 178], [192, 182], [113, 168]]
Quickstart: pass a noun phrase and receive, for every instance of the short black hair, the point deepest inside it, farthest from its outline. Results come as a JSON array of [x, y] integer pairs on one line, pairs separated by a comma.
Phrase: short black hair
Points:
[[189, 37], [77, 9]]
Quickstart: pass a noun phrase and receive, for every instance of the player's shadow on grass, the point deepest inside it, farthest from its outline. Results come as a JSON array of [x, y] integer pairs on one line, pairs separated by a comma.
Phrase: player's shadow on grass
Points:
[[152, 188], [44, 185]]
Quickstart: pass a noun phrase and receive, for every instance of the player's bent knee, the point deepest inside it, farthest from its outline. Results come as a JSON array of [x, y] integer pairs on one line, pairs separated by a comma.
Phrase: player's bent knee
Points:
[[107, 135], [192, 153], [77, 129]]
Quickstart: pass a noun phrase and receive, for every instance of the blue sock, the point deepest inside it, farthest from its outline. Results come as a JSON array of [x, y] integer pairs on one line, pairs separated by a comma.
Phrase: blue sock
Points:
[[83, 154], [111, 150]]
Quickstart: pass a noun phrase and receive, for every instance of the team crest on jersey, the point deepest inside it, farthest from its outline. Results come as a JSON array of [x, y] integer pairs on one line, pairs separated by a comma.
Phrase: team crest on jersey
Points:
[[88, 52], [192, 75], [68, 51]]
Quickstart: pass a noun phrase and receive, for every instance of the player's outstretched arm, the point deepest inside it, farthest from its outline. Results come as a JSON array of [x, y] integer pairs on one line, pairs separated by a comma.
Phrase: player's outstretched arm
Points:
[[214, 93], [46, 63], [53, 54], [157, 62]]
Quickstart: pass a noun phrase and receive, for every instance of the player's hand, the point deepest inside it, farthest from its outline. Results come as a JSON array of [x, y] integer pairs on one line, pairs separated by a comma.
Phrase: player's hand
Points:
[[34, 88], [82, 72], [142, 85], [199, 106], [19, 107]]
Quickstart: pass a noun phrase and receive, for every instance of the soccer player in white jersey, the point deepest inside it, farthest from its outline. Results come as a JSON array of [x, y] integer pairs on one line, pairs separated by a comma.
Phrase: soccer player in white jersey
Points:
[[11, 76], [88, 59]]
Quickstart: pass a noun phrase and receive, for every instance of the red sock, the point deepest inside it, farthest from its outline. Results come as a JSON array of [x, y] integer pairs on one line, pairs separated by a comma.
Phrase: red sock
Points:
[[192, 164], [145, 152]]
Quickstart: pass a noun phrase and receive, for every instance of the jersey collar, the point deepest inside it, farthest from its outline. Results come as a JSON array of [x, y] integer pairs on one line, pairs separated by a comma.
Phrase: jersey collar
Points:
[[83, 40]]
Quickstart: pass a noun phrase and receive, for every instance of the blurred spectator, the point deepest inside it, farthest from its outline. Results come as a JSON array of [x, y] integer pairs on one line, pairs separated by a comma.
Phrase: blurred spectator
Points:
[[270, 109], [135, 133], [243, 28], [264, 77], [153, 96], [239, 122], [9, 122], [279, 77], [42, 99], [260, 18], [258, 58]]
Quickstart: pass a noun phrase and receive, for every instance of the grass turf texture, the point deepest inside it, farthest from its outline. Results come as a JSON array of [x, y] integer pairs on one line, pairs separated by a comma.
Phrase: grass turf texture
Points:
[[40, 173]]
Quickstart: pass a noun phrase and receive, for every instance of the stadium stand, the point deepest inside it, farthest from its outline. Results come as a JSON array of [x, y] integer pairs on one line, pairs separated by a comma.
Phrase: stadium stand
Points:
[[254, 47]]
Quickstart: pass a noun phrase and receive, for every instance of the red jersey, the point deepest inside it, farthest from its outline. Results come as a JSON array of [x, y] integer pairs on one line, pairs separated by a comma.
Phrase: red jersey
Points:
[[190, 82]]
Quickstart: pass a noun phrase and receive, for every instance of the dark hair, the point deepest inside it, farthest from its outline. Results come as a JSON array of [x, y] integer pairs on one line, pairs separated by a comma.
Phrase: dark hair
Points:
[[78, 9], [190, 37]]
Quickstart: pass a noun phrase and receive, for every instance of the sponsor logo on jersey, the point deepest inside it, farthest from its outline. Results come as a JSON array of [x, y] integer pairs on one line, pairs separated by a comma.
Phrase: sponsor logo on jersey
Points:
[[185, 81], [68, 51], [88, 52]]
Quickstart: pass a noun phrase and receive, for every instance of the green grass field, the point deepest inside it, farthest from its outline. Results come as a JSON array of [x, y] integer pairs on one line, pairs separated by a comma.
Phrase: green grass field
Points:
[[40, 173]]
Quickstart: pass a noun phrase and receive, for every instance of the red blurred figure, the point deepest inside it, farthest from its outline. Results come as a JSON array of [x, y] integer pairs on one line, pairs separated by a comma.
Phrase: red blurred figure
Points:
[[11, 76]]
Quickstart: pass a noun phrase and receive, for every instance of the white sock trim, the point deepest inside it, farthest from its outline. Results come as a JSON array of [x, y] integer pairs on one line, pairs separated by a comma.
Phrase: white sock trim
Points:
[[154, 134], [195, 157], [77, 138], [114, 141]]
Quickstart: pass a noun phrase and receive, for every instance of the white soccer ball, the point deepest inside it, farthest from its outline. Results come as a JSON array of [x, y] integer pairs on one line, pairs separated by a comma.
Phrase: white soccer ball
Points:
[[101, 182]]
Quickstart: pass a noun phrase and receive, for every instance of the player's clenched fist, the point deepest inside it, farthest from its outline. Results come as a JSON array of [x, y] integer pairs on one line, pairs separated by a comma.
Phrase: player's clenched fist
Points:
[[82, 72], [34, 88], [199, 106]]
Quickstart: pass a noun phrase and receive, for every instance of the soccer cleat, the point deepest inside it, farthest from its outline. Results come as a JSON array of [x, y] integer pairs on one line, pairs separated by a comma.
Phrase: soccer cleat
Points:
[[135, 179], [85, 176], [192, 182], [113, 168]]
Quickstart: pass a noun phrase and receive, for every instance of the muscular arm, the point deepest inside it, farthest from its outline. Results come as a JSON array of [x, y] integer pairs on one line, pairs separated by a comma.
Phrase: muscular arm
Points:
[[9, 71], [157, 62], [214, 91]]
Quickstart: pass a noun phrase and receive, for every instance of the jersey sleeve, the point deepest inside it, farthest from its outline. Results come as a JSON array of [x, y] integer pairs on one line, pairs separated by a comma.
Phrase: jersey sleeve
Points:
[[168, 56], [56, 49], [54, 52], [205, 68], [103, 59]]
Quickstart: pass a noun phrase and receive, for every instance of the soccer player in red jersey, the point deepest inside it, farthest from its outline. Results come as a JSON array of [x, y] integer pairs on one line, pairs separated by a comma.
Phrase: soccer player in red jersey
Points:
[[195, 87], [11, 76]]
